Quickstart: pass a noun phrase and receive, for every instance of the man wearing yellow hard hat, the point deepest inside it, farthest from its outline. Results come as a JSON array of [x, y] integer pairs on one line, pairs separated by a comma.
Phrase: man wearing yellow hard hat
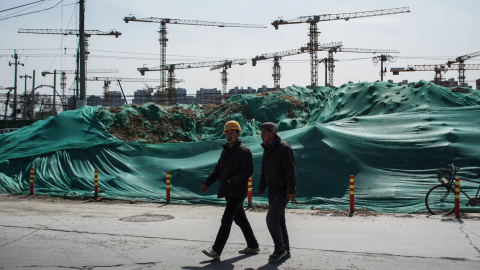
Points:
[[233, 169]]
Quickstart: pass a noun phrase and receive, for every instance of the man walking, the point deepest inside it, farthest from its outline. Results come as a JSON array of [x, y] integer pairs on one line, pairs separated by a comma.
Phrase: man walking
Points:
[[233, 169], [280, 177]]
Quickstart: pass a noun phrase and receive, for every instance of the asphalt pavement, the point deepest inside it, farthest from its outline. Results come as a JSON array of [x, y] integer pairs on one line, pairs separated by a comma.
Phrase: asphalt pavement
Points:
[[53, 233]]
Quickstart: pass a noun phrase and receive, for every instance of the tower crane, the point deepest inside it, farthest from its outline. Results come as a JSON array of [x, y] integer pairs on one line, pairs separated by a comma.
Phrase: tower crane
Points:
[[278, 55], [438, 69], [329, 61], [88, 34], [313, 31], [224, 66], [163, 35], [461, 65], [108, 80], [171, 72]]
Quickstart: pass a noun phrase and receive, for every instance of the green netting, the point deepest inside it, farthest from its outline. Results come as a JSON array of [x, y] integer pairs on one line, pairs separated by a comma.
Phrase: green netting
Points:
[[392, 138]]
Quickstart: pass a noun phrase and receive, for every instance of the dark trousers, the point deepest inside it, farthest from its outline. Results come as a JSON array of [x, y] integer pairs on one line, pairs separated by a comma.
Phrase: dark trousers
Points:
[[276, 220], [234, 212]]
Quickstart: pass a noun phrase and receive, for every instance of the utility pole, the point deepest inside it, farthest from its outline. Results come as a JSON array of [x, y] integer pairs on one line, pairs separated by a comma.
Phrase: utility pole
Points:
[[54, 90], [383, 58], [24, 107], [82, 55], [16, 63], [32, 114]]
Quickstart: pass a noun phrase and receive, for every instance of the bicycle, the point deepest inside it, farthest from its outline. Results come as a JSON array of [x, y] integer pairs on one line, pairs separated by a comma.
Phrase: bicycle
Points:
[[440, 199]]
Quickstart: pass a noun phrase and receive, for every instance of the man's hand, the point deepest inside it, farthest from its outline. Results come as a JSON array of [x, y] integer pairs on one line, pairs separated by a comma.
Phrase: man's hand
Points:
[[203, 188], [260, 192], [291, 197]]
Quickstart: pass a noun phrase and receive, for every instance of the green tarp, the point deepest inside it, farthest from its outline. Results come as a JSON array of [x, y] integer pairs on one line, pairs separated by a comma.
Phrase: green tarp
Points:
[[390, 137]]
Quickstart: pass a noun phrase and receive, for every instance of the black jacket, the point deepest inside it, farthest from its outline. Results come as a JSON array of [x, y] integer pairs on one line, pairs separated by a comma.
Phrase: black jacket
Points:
[[233, 169], [278, 168]]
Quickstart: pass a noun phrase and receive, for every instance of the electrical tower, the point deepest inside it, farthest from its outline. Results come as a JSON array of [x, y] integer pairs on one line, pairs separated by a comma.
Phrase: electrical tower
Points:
[[63, 79], [461, 66], [16, 63], [163, 35], [384, 58], [313, 31], [171, 73], [108, 80]]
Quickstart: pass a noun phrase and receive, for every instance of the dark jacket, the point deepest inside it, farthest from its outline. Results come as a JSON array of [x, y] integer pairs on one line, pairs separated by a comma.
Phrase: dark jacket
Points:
[[233, 169], [278, 168]]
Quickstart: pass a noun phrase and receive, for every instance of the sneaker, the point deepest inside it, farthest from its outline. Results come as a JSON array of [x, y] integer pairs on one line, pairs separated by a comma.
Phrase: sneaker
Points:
[[275, 257], [288, 256], [211, 253], [248, 250]]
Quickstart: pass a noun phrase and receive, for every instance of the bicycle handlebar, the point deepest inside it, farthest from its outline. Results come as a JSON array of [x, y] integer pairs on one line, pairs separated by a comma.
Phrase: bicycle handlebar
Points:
[[454, 167]]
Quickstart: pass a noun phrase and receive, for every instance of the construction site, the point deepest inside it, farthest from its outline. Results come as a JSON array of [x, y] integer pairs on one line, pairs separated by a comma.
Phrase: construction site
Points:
[[335, 120], [101, 167]]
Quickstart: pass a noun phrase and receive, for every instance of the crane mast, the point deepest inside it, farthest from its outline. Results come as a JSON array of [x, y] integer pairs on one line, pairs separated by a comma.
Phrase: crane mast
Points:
[[278, 55], [313, 30], [329, 61], [163, 36], [225, 64], [438, 69], [461, 65]]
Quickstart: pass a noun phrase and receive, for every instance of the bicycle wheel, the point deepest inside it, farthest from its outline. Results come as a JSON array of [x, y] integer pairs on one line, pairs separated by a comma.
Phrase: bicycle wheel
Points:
[[440, 200]]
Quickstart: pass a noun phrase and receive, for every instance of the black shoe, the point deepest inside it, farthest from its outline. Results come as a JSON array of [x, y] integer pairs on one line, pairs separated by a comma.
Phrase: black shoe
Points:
[[288, 255], [275, 257]]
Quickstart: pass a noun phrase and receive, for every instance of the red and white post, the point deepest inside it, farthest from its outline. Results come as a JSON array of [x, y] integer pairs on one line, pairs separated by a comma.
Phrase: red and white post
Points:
[[352, 202], [457, 197], [249, 192], [31, 181], [168, 186], [95, 187]]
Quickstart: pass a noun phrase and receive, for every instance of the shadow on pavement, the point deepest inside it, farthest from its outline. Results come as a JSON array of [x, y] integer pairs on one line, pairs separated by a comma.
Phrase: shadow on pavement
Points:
[[218, 264]]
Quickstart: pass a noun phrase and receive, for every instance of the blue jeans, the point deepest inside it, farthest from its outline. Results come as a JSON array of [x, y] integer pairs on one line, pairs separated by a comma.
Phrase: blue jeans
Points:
[[234, 212], [276, 222]]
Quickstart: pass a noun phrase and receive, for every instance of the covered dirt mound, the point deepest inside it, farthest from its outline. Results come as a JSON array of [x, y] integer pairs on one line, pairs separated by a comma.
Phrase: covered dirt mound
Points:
[[291, 108]]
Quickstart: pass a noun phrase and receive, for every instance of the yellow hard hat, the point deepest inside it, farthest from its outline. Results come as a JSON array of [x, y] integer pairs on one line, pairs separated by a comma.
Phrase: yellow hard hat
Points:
[[232, 125]]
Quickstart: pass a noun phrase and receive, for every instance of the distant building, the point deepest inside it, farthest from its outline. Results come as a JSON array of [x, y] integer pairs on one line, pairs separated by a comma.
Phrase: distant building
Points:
[[264, 88], [236, 90], [142, 96], [182, 98], [402, 82], [208, 96], [449, 83], [94, 101], [115, 99]]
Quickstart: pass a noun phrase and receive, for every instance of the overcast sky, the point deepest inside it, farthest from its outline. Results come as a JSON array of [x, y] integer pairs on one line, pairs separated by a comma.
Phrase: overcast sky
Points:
[[432, 33]]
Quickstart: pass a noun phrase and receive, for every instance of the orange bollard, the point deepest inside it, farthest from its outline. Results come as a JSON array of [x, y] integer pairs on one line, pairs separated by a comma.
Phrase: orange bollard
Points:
[[31, 181], [457, 197], [352, 203], [168, 187], [249, 192], [95, 194]]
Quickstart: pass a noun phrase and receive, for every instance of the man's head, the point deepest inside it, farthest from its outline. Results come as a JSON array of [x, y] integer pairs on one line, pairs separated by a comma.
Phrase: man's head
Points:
[[269, 131], [232, 131]]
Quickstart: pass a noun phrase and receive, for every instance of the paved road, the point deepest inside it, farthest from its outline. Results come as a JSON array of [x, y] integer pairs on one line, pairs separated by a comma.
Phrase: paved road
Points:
[[63, 234]]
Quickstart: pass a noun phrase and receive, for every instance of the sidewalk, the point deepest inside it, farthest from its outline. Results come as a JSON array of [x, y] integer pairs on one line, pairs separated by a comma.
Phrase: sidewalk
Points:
[[54, 233]]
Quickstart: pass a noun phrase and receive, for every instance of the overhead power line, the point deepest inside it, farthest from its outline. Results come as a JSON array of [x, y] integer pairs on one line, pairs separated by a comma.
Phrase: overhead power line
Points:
[[28, 13], [23, 5]]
